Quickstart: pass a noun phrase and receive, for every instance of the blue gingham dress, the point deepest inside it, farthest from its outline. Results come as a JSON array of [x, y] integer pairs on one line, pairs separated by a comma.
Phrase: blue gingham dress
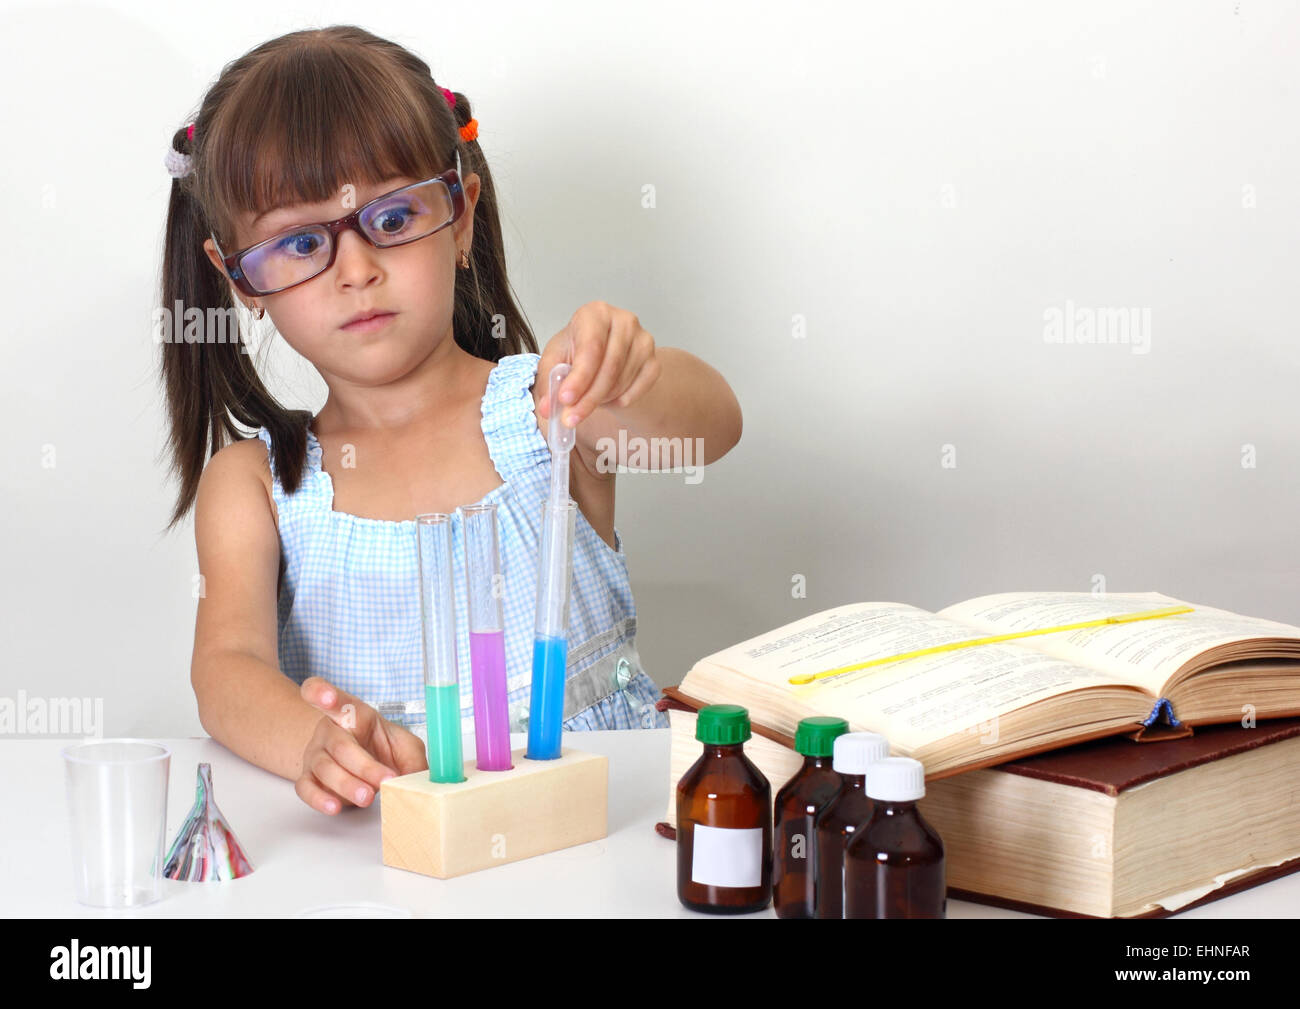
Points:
[[349, 603]]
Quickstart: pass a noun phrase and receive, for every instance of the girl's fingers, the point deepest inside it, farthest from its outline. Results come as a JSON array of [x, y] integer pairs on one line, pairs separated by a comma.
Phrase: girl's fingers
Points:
[[640, 356], [640, 385], [311, 792], [397, 746], [330, 778], [611, 368], [586, 329], [341, 706], [337, 779], [409, 751], [358, 763], [319, 692], [557, 350]]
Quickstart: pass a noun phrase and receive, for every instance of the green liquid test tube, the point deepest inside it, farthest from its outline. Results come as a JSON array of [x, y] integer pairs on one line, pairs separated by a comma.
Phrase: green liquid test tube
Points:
[[438, 624], [442, 717]]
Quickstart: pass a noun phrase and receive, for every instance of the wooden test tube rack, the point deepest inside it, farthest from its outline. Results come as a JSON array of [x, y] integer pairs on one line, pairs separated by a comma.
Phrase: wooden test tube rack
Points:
[[493, 817]]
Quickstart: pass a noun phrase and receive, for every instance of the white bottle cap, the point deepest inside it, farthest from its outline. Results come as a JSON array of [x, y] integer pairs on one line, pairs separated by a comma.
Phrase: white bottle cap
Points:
[[896, 779], [856, 751]]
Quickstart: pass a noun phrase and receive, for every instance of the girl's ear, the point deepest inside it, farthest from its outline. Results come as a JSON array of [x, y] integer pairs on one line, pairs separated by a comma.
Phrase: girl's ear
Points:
[[211, 250], [220, 267], [465, 226]]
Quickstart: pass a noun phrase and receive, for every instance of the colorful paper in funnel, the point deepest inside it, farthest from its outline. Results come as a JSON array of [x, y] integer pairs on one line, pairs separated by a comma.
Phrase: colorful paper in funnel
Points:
[[205, 848]]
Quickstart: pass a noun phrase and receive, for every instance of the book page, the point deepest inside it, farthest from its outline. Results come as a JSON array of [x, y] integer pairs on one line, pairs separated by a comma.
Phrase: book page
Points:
[[913, 701], [1143, 652]]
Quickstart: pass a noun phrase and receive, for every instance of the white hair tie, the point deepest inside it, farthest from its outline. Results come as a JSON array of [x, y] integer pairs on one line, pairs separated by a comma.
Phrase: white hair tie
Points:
[[180, 165]]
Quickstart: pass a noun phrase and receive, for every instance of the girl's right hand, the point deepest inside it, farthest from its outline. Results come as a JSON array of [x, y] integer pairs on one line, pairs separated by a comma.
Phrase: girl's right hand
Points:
[[353, 750]]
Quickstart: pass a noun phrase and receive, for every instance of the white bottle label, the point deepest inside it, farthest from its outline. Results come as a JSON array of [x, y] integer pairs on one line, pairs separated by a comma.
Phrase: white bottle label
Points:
[[727, 856]]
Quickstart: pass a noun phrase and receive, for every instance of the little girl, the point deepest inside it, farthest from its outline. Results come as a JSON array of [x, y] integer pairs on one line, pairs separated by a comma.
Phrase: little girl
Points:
[[328, 181]]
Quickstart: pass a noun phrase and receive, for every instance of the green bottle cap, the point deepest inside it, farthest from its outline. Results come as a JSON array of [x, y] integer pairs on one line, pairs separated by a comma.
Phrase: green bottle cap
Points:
[[722, 724], [815, 737]]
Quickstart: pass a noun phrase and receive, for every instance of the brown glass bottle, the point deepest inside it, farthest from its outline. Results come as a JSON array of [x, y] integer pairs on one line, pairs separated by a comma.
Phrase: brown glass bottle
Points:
[[850, 808], [816, 783], [894, 864], [724, 820]]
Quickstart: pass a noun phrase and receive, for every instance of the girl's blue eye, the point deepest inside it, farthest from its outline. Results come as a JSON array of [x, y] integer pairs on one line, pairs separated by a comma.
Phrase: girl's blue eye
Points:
[[304, 244], [392, 220]]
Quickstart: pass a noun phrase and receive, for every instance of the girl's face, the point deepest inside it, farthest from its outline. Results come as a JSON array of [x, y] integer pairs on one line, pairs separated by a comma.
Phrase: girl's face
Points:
[[415, 282]]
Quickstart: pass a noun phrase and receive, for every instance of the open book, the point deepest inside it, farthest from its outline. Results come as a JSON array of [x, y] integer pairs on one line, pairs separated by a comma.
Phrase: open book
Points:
[[986, 704]]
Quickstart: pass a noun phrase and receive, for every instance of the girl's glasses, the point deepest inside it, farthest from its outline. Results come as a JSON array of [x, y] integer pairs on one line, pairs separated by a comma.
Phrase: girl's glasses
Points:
[[301, 253]]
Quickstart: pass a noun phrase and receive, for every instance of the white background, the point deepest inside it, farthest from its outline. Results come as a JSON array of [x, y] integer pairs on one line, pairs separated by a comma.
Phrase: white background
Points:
[[919, 182]]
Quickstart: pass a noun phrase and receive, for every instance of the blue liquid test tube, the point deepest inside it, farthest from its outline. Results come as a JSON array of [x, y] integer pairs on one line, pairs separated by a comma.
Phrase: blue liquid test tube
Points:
[[551, 634], [438, 624]]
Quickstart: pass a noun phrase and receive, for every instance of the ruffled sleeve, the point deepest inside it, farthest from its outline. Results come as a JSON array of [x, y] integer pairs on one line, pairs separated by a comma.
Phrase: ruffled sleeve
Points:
[[314, 452], [277, 492], [265, 435], [316, 485], [514, 441]]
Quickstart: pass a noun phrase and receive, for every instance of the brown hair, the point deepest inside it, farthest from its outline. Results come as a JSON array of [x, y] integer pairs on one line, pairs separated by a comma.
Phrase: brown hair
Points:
[[292, 121]]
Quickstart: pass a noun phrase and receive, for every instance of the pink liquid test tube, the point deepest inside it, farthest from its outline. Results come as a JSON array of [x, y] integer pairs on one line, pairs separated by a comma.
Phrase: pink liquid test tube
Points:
[[487, 647]]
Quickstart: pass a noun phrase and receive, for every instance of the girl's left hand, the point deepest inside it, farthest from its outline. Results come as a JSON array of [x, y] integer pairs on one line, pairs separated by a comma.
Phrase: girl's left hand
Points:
[[613, 362]]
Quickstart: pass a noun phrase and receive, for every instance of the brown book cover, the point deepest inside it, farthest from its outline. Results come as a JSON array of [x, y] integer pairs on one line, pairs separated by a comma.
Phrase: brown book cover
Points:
[[1109, 765]]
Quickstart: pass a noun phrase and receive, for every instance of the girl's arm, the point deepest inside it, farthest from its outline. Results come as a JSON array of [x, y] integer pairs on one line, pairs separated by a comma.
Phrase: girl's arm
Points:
[[690, 399], [245, 702], [624, 383]]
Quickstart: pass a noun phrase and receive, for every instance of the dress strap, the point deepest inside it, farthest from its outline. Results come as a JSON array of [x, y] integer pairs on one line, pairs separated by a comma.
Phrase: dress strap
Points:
[[314, 484], [509, 423], [313, 453]]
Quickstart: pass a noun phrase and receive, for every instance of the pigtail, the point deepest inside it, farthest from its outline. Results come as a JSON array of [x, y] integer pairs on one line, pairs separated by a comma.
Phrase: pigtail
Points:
[[207, 373], [487, 319]]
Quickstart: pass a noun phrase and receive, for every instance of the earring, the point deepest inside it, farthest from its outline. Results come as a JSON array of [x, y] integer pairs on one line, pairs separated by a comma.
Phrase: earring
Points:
[[464, 259]]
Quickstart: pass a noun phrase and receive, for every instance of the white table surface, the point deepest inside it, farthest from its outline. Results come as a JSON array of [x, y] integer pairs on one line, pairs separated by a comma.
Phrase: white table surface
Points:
[[304, 859]]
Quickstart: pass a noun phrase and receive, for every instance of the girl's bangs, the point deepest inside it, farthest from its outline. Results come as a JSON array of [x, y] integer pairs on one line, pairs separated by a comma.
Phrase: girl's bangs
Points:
[[307, 134]]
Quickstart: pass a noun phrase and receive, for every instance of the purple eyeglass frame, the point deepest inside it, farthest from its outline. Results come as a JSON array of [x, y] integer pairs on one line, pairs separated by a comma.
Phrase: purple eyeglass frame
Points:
[[450, 178]]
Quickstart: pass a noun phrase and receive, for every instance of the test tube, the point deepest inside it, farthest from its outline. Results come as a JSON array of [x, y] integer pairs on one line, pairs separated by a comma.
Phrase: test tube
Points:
[[551, 633], [438, 624], [487, 646]]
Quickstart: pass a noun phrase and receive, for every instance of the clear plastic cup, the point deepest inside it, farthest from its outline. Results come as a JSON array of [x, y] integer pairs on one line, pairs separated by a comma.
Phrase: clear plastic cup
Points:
[[117, 817]]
